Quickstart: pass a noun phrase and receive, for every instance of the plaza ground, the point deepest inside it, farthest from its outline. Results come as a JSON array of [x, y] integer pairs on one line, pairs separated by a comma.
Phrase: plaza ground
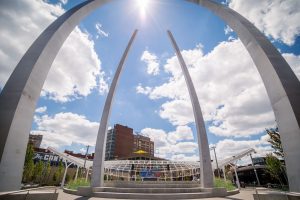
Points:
[[245, 194]]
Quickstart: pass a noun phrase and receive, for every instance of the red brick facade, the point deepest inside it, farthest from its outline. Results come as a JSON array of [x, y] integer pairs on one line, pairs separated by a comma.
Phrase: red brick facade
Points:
[[124, 141], [121, 143]]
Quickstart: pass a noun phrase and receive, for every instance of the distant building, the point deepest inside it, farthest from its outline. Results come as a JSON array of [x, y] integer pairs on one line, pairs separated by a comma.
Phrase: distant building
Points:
[[143, 143], [247, 176], [121, 143], [35, 140], [110, 144], [79, 155]]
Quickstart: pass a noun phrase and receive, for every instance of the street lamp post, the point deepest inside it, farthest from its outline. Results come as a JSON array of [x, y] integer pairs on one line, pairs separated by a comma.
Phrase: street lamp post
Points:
[[86, 153], [214, 148], [258, 182]]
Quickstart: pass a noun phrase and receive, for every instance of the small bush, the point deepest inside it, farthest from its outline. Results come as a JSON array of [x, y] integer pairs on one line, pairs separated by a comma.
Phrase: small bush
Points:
[[73, 185], [226, 184]]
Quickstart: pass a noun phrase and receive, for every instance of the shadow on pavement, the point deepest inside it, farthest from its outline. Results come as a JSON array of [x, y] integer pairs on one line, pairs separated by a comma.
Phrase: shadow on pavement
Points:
[[232, 198], [82, 198]]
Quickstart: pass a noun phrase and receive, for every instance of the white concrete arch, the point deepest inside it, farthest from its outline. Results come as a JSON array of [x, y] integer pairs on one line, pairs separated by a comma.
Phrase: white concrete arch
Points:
[[281, 83], [21, 92], [206, 173], [98, 164]]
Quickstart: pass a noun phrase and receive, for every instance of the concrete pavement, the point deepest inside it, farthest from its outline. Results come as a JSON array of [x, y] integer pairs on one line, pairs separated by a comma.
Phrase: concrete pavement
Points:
[[245, 194]]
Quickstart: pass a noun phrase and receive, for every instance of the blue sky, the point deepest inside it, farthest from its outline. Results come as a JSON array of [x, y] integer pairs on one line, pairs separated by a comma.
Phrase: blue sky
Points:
[[151, 97]]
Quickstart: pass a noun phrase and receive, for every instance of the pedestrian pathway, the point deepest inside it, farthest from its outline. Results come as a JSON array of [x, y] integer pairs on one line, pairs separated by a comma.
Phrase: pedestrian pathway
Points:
[[245, 194]]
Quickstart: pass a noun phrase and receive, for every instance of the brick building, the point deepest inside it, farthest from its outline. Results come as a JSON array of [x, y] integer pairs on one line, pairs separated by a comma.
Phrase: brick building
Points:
[[121, 143], [35, 140], [143, 143]]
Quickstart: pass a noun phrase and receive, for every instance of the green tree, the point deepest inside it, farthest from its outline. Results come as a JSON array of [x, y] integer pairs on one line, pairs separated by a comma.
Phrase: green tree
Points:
[[46, 173], [274, 167], [38, 171], [58, 174], [275, 142], [68, 178], [28, 164]]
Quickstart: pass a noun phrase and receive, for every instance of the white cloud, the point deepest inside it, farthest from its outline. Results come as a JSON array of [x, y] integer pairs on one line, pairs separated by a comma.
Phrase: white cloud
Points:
[[230, 90], [181, 133], [21, 23], [177, 111], [159, 136], [65, 129], [184, 157], [227, 30], [185, 147], [143, 90], [228, 148], [152, 62], [276, 18], [41, 109], [82, 151], [76, 69], [169, 144], [100, 31], [64, 1], [264, 139], [294, 62]]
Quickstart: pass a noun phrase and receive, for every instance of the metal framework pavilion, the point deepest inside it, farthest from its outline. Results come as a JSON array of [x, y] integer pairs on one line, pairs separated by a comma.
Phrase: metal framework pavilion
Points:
[[158, 170], [135, 170], [140, 170]]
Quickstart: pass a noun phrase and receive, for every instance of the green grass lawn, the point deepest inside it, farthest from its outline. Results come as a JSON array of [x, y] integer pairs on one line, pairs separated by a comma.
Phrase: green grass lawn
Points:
[[73, 185], [226, 184]]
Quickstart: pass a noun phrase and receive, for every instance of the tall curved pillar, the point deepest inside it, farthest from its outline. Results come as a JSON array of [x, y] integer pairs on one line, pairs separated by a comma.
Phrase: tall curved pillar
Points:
[[281, 83], [19, 96], [98, 164], [206, 174]]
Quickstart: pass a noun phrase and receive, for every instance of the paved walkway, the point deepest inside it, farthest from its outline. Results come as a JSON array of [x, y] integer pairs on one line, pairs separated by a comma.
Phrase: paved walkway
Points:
[[245, 194]]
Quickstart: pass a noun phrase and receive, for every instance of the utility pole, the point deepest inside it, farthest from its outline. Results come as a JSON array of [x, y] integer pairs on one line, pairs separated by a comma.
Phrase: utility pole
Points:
[[214, 148], [85, 157], [86, 153], [258, 182]]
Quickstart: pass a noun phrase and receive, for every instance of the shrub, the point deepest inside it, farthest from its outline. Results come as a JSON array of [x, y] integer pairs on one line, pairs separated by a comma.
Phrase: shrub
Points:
[[74, 184], [222, 183]]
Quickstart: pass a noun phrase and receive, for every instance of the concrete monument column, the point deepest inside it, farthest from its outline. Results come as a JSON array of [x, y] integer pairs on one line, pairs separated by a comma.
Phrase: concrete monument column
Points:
[[281, 83], [206, 174], [98, 164], [19, 96]]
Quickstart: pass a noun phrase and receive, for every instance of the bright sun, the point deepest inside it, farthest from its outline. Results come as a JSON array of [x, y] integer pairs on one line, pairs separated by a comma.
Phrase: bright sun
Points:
[[142, 6]]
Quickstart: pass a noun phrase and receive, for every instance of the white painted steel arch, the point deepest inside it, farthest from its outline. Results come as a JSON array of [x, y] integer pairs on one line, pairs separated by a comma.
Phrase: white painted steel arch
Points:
[[21, 92]]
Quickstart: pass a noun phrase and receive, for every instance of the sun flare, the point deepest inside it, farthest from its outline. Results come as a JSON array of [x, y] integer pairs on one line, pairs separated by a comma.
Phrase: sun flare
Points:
[[143, 6]]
